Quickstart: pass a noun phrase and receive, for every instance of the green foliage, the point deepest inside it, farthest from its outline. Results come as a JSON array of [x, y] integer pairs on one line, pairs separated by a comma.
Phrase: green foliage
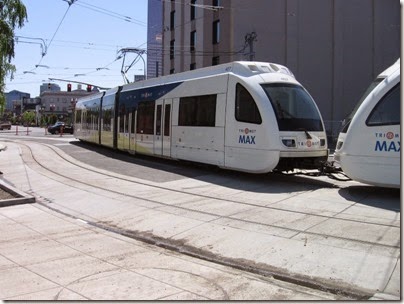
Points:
[[28, 117], [13, 13], [2, 103]]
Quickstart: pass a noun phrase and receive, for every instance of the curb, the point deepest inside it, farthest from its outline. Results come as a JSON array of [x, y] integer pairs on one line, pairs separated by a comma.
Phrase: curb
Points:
[[21, 197]]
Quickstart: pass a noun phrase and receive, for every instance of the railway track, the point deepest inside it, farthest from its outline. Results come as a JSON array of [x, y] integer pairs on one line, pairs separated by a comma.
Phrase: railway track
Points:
[[75, 174], [47, 165]]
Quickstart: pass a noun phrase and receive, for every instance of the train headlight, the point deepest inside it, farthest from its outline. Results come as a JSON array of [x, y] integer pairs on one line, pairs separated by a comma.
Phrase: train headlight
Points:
[[290, 143], [339, 145]]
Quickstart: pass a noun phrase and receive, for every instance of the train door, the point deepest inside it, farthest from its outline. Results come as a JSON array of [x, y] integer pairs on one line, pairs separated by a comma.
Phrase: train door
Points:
[[132, 131], [124, 136], [162, 128]]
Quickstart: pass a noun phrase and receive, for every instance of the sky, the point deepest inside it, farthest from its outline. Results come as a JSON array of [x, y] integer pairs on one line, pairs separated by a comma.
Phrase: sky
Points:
[[82, 43]]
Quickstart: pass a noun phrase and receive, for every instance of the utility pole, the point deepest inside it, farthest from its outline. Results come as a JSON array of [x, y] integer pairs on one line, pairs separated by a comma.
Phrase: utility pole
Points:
[[250, 38]]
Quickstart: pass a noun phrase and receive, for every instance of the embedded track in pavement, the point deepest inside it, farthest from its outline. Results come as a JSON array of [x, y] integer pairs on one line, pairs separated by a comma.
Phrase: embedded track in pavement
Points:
[[47, 159]]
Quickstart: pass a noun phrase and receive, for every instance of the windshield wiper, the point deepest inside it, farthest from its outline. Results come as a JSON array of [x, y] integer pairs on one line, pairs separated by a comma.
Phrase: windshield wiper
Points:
[[308, 136]]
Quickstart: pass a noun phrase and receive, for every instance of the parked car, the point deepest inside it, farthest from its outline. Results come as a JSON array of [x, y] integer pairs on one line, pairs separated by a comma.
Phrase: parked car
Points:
[[60, 126], [5, 125]]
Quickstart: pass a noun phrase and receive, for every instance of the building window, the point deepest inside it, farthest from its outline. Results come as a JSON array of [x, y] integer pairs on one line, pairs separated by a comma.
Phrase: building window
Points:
[[215, 60], [192, 66], [216, 3], [216, 32], [172, 20], [193, 40], [172, 43], [193, 9]]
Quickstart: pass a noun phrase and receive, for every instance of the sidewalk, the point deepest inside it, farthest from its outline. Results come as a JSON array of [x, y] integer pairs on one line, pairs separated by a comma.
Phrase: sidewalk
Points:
[[336, 236]]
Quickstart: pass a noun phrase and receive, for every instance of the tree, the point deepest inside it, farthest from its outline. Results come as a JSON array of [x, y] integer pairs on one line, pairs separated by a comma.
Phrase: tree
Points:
[[13, 13], [28, 117]]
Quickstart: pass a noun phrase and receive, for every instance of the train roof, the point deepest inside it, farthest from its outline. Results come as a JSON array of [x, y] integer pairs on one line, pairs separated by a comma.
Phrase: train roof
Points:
[[91, 96], [241, 68]]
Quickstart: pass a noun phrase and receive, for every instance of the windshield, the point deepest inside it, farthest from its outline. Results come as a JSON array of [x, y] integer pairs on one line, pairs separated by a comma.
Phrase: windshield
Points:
[[295, 110], [347, 120]]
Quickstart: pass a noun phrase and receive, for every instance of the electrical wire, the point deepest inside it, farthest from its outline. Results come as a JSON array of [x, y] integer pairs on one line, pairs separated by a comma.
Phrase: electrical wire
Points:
[[110, 13], [57, 29], [202, 6], [183, 50], [54, 34], [68, 44]]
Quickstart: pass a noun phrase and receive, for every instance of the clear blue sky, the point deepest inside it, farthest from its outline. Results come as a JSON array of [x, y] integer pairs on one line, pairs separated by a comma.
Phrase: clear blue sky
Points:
[[88, 39]]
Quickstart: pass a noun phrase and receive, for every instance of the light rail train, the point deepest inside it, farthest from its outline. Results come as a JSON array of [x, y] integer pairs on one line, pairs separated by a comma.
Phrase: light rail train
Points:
[[245, 116], [368, 147]]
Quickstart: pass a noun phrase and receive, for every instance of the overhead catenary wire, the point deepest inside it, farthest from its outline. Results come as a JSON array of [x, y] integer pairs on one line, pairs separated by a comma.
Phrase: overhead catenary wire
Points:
[[58, 27], [88, 6], [201, 6], [111, 13], [184, 50], [54, 34]]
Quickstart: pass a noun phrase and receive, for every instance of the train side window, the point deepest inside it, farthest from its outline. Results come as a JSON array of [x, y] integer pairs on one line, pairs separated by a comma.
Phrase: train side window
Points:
[[78, 116], [158, 120], [122, 114], [246, 108], [197, 111], [145, 118], [387, 111], [167, 120], [133, 121]]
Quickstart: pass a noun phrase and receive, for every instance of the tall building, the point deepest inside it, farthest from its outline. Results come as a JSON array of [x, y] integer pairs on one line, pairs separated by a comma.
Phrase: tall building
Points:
[[335, 48], [13, 96], [154, 38]]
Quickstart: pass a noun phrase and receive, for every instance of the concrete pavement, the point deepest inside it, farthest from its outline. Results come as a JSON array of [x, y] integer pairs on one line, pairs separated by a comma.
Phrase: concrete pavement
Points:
[[331, 235], [47, 256]]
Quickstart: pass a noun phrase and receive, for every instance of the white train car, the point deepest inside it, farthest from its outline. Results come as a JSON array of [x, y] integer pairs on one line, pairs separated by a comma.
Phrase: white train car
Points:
[[246, 116], [368, 147]]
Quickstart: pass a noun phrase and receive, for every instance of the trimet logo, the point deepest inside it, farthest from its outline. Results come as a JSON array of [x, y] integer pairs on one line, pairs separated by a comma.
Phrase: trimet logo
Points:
[[246, 138], [308, 143], [389, 145]]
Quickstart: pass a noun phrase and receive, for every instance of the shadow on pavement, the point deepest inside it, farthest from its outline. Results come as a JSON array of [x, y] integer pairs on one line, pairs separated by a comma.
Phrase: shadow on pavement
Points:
[[378, 197], [259, 183]]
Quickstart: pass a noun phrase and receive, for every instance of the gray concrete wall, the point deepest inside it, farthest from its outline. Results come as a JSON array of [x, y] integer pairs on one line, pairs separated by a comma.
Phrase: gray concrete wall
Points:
[[335, 48]]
